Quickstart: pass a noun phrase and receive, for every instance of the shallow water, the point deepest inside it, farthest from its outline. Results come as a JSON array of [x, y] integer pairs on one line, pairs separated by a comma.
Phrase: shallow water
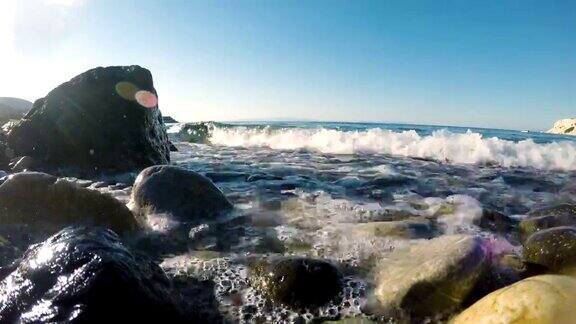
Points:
[[307, 191]]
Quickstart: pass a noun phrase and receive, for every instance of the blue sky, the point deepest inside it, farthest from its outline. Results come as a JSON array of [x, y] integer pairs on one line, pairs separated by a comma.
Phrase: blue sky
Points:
[[508, 64]]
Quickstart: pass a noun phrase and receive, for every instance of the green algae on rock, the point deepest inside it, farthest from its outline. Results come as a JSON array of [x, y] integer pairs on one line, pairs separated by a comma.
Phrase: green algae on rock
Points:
[[554, 248], [298, 282], [559, 215]]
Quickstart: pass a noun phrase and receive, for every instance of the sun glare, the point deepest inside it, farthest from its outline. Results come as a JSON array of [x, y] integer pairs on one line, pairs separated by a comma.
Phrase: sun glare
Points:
[[68, 3]]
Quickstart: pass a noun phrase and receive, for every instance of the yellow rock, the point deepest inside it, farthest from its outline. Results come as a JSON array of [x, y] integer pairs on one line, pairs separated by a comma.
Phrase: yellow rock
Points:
[[429, 279], [545, 299]]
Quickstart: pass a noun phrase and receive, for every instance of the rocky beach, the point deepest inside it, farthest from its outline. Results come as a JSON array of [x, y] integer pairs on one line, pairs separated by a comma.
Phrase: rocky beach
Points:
[[111, 212]]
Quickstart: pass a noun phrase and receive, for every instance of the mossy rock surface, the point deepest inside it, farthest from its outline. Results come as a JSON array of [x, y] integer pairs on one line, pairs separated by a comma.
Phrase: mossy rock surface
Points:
[[298, 282], [554, 248], [560, 215], [39, 200]]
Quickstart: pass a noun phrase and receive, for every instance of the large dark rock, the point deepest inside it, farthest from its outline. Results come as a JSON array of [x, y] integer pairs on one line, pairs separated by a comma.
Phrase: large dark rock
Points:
[[298, 282], [85, 275], [42, 201], [4, 157], [186, 195], [103, 120]]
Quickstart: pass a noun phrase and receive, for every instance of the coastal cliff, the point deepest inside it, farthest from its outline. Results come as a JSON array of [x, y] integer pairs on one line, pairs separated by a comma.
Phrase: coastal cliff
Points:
[[564, 126]]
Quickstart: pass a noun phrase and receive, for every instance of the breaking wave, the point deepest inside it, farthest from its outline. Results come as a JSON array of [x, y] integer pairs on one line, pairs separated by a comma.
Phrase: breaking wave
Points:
[[441, 145]]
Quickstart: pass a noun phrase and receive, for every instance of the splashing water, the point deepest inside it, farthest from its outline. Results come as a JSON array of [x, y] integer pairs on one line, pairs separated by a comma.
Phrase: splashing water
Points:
[[441, 145]]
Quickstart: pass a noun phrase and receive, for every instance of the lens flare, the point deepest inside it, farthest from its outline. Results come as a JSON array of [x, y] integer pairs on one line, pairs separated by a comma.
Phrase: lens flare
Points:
[[126, 90], [146, 99]]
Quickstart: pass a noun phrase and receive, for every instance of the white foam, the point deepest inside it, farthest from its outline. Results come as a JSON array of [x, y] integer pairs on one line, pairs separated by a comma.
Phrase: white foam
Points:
[[467, 211], [442, 145]]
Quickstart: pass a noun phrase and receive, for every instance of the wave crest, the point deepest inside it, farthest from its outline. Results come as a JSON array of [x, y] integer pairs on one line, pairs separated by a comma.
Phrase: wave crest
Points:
[[442, 145]]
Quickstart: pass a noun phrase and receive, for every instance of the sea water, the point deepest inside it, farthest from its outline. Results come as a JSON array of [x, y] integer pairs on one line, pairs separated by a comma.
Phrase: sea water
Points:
[[305, 189]]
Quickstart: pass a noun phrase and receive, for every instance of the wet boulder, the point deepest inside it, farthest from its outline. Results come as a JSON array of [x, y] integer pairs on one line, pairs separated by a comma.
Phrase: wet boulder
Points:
[[548, 217], [539, 299], [83, 275], [430, 279], [103, 120], [553, 248], [185, 195], [298, 282], [42, 201]]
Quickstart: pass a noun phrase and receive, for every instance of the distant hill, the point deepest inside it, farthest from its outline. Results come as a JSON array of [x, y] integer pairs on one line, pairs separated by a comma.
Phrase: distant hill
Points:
[[564, 127], [13, 108]]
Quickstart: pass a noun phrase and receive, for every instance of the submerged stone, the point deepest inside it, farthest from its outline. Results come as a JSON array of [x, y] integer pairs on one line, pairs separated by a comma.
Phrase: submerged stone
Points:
[[557, 211], [186, 195], [503, 271], [429, 279], [42, 201], [227, 176], [554, 248], [497, 222], [408, 229], [560, 215], [261, 176], [538, 300], [103, 120], [299, 282], [83, 275]]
